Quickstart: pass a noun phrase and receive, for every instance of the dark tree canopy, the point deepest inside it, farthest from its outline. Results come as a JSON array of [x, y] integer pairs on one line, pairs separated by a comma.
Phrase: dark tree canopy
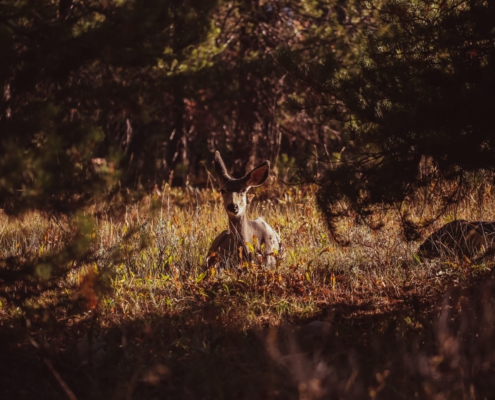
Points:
[[82, 80], [424, 89], [151, 89]]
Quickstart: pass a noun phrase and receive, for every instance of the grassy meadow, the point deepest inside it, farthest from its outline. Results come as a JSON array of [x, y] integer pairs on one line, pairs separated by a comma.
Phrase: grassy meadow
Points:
[[130, 311]]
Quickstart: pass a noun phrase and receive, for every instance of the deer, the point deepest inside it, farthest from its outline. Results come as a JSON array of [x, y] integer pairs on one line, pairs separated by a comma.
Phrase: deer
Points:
[[242, 234], [460, 238]]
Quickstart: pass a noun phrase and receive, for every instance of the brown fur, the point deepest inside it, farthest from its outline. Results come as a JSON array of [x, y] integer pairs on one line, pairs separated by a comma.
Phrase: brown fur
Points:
[[460, 238]]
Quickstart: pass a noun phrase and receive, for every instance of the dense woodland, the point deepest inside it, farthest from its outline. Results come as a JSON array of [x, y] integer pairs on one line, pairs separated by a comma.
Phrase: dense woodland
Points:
[[376, 117], [353, 93], [154, 87]]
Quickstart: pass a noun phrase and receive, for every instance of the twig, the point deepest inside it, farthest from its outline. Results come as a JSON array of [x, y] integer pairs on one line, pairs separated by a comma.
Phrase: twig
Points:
[[60, 380]]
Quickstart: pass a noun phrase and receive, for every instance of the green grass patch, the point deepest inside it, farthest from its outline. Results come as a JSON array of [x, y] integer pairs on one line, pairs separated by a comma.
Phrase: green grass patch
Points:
[[121, 304]]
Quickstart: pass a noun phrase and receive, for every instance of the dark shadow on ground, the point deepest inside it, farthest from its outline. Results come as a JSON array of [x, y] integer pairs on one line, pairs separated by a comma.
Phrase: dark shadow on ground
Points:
[[418, 350]]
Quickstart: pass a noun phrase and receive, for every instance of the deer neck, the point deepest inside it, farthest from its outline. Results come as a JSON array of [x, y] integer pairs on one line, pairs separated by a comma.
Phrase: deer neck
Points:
[[239, 225]]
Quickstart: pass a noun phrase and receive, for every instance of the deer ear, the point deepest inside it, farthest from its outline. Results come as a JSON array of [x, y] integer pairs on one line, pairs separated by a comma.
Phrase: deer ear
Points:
[[258, 175], [220, 167]]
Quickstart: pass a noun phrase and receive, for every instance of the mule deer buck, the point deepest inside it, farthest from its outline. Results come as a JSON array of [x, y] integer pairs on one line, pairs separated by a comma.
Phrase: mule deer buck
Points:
[[230, 245], [460, 238]]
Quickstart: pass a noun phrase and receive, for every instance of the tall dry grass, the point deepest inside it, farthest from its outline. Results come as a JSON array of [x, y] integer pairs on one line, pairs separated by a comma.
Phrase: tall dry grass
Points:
[[140, 316]]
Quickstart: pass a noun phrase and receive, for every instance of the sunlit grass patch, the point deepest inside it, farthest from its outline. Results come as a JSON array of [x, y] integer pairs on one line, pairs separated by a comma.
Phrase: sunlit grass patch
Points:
[[135, 286], [153, 255]]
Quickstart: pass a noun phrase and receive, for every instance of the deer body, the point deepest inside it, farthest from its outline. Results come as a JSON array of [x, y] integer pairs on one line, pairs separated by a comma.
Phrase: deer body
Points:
[[241, 230], [460, 238]]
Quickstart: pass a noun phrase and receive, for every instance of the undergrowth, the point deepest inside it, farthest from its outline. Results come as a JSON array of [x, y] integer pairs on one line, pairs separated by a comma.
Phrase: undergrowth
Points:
[[131, 311]]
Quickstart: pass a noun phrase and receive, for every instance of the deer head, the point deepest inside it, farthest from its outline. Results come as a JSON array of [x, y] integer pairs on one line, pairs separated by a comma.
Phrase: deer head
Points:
[[234, 190]]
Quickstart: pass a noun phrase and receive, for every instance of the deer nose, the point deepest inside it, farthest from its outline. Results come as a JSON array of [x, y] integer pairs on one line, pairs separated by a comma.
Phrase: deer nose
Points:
[[233, 208]]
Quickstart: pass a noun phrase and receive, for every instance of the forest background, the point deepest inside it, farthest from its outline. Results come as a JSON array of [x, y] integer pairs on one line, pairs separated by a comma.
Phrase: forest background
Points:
[[376, 106]]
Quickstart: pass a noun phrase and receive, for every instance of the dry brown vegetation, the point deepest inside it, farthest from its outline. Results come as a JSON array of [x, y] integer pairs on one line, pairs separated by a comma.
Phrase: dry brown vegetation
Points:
[[142, 317]]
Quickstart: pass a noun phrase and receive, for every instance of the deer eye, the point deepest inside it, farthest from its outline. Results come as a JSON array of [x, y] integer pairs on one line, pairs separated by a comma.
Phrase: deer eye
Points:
[[222, 191]]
